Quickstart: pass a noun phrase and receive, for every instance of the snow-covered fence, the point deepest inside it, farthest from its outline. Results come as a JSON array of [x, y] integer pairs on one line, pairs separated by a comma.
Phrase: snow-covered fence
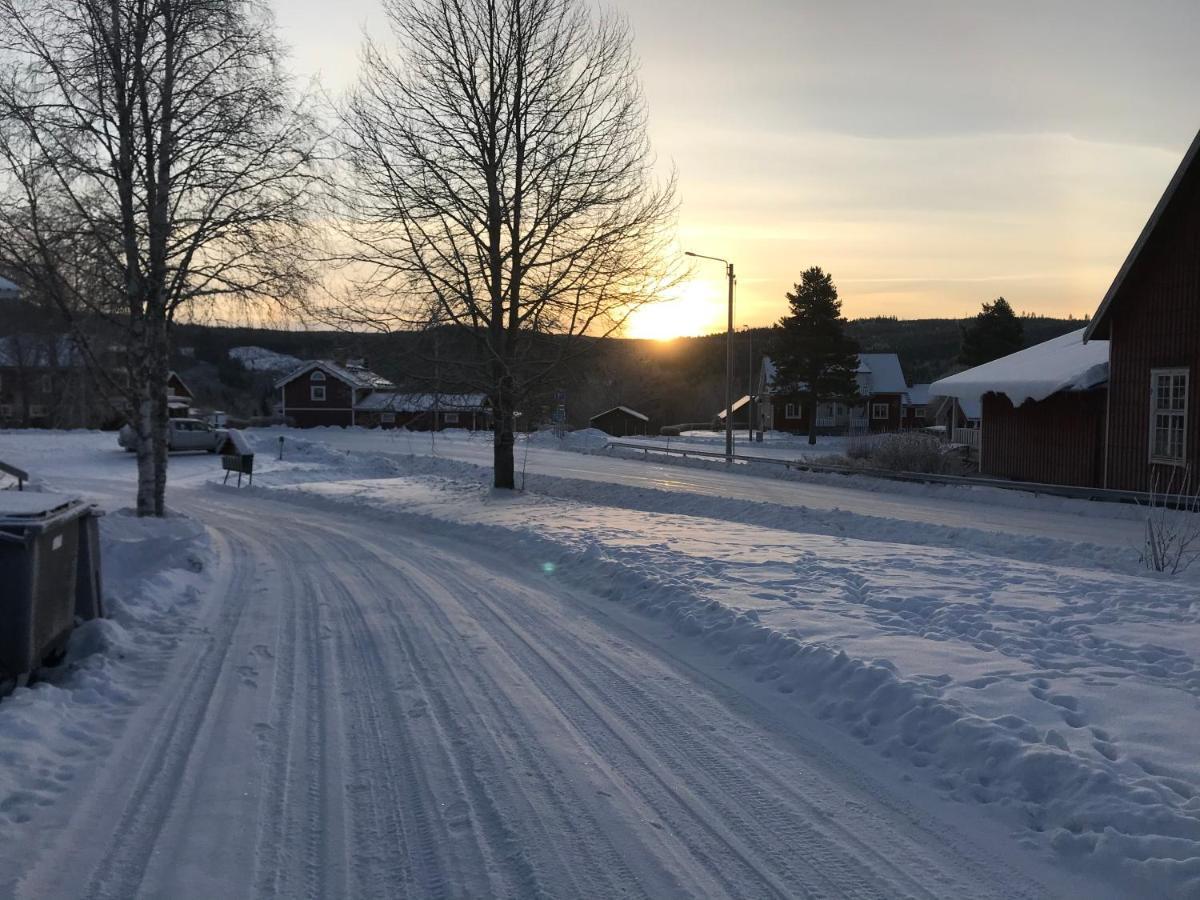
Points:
[[968, 437]]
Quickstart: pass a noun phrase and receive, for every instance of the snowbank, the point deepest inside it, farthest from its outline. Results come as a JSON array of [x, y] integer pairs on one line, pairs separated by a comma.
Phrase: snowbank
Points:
[[154, 573], [1064, 363], [583, 439]]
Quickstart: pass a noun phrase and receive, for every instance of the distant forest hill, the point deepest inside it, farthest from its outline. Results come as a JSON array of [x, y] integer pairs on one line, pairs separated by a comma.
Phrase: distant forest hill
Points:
[[676, 381]]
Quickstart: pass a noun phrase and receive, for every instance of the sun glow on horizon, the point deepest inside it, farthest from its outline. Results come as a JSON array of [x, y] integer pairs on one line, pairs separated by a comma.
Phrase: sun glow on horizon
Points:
[[695, 307]]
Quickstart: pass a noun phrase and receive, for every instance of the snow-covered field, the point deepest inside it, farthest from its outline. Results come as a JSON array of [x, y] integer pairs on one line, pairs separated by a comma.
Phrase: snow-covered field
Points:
[[631, 678]]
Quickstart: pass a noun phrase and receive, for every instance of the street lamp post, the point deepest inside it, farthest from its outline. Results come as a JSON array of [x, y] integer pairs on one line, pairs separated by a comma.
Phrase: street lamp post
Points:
[[728, 356]]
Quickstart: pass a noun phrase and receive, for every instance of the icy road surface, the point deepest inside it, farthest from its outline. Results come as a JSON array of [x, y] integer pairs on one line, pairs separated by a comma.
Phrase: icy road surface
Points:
[[361, 710]]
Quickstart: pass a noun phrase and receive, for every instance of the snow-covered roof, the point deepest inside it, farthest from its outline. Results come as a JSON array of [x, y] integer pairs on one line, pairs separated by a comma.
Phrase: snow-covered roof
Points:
[[351, 375], [395, 401], [8, 289], [737, 404], [1064, 363], [234, 442], [624, 409], [887, 377], [918, 395], [768, 372]]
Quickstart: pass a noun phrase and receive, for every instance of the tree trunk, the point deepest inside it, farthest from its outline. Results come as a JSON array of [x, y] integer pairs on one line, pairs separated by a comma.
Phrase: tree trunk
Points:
[[144, 427], [812, 421], [504, 462]]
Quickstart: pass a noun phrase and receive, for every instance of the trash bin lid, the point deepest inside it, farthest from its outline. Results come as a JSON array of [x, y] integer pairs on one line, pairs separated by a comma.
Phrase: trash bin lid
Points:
[[26, 507]]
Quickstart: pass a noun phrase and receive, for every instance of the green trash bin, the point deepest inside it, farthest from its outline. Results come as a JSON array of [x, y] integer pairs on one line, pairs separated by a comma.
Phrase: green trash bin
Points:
[[39, 565]]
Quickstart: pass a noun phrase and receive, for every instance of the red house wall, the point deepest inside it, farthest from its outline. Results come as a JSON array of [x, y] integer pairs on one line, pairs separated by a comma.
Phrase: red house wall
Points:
[[1155, 323], [335, 409], [1057, 441]]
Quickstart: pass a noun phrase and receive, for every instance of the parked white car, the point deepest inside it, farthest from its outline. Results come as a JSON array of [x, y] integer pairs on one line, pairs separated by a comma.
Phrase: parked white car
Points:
[[182, 434]]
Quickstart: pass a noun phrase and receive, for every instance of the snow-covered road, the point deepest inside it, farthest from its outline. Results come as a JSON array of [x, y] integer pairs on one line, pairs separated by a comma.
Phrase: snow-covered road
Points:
[[364, 710]]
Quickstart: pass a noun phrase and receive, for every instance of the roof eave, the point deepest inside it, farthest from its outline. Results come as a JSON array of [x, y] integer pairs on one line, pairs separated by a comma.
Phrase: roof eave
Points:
[[1098, 327]]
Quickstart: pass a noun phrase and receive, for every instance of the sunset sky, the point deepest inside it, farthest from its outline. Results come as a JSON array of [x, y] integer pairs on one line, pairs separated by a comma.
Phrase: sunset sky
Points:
[[930, 154]]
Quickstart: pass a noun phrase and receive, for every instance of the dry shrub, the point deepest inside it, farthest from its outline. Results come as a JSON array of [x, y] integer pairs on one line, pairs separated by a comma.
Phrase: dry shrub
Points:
[[908, 452]]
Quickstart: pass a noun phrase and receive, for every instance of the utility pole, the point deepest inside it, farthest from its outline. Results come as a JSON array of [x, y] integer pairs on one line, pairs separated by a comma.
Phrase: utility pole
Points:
[[728, 356], [729, 374], [750, 385]]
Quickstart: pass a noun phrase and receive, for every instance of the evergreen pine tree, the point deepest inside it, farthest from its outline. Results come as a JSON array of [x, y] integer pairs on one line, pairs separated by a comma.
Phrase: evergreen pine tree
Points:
[[995, 332], [814, 358]]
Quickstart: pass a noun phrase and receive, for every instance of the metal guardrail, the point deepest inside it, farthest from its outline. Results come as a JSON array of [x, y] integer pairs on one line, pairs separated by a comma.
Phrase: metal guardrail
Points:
[[20, 474], [1054, 490]]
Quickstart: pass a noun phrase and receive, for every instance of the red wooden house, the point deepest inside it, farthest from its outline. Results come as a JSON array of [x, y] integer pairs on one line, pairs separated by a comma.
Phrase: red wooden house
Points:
[[884, 398], [325, 393], [1151, 319]]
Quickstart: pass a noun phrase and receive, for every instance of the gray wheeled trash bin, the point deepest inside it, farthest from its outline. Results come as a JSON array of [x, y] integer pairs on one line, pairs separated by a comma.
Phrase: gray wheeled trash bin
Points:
[[39, 566], [89, 603]]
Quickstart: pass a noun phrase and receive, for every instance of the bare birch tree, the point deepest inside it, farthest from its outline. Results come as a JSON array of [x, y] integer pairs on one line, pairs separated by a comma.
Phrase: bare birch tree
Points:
[[152, 158], [501, 183]]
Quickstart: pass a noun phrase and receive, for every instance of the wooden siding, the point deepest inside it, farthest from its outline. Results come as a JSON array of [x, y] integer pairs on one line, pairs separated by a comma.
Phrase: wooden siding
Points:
[[305, 412], [1057, 441], [893, 422], [1154, 323], [620, 424]]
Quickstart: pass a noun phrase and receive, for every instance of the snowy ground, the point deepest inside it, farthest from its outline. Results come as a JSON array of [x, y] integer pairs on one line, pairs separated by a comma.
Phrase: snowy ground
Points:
[[372, 676]]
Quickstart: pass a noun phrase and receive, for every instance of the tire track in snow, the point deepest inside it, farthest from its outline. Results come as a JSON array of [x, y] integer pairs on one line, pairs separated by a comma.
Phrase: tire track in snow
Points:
[[165, 764]]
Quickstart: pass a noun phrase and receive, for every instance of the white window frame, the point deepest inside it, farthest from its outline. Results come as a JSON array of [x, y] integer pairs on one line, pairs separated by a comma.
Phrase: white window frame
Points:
[[1171, 414], [387, 418], [791, 411], [919, 412], [876, 407], [47, 384], [6, 410], [450, 418], [316, 393], [317, 375], [37, 411]]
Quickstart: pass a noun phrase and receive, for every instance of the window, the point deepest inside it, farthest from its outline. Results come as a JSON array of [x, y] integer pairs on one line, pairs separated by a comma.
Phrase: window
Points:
[[317, 375], [879, 410], [791, 411], [5, 411], [387, 418], [47, 384], [37, 411], [1168, 416], [317, 392], [919, 412], [450, 418]]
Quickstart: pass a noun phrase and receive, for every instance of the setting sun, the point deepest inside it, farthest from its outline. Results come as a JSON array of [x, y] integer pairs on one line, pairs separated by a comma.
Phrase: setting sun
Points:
[[695, 307]]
